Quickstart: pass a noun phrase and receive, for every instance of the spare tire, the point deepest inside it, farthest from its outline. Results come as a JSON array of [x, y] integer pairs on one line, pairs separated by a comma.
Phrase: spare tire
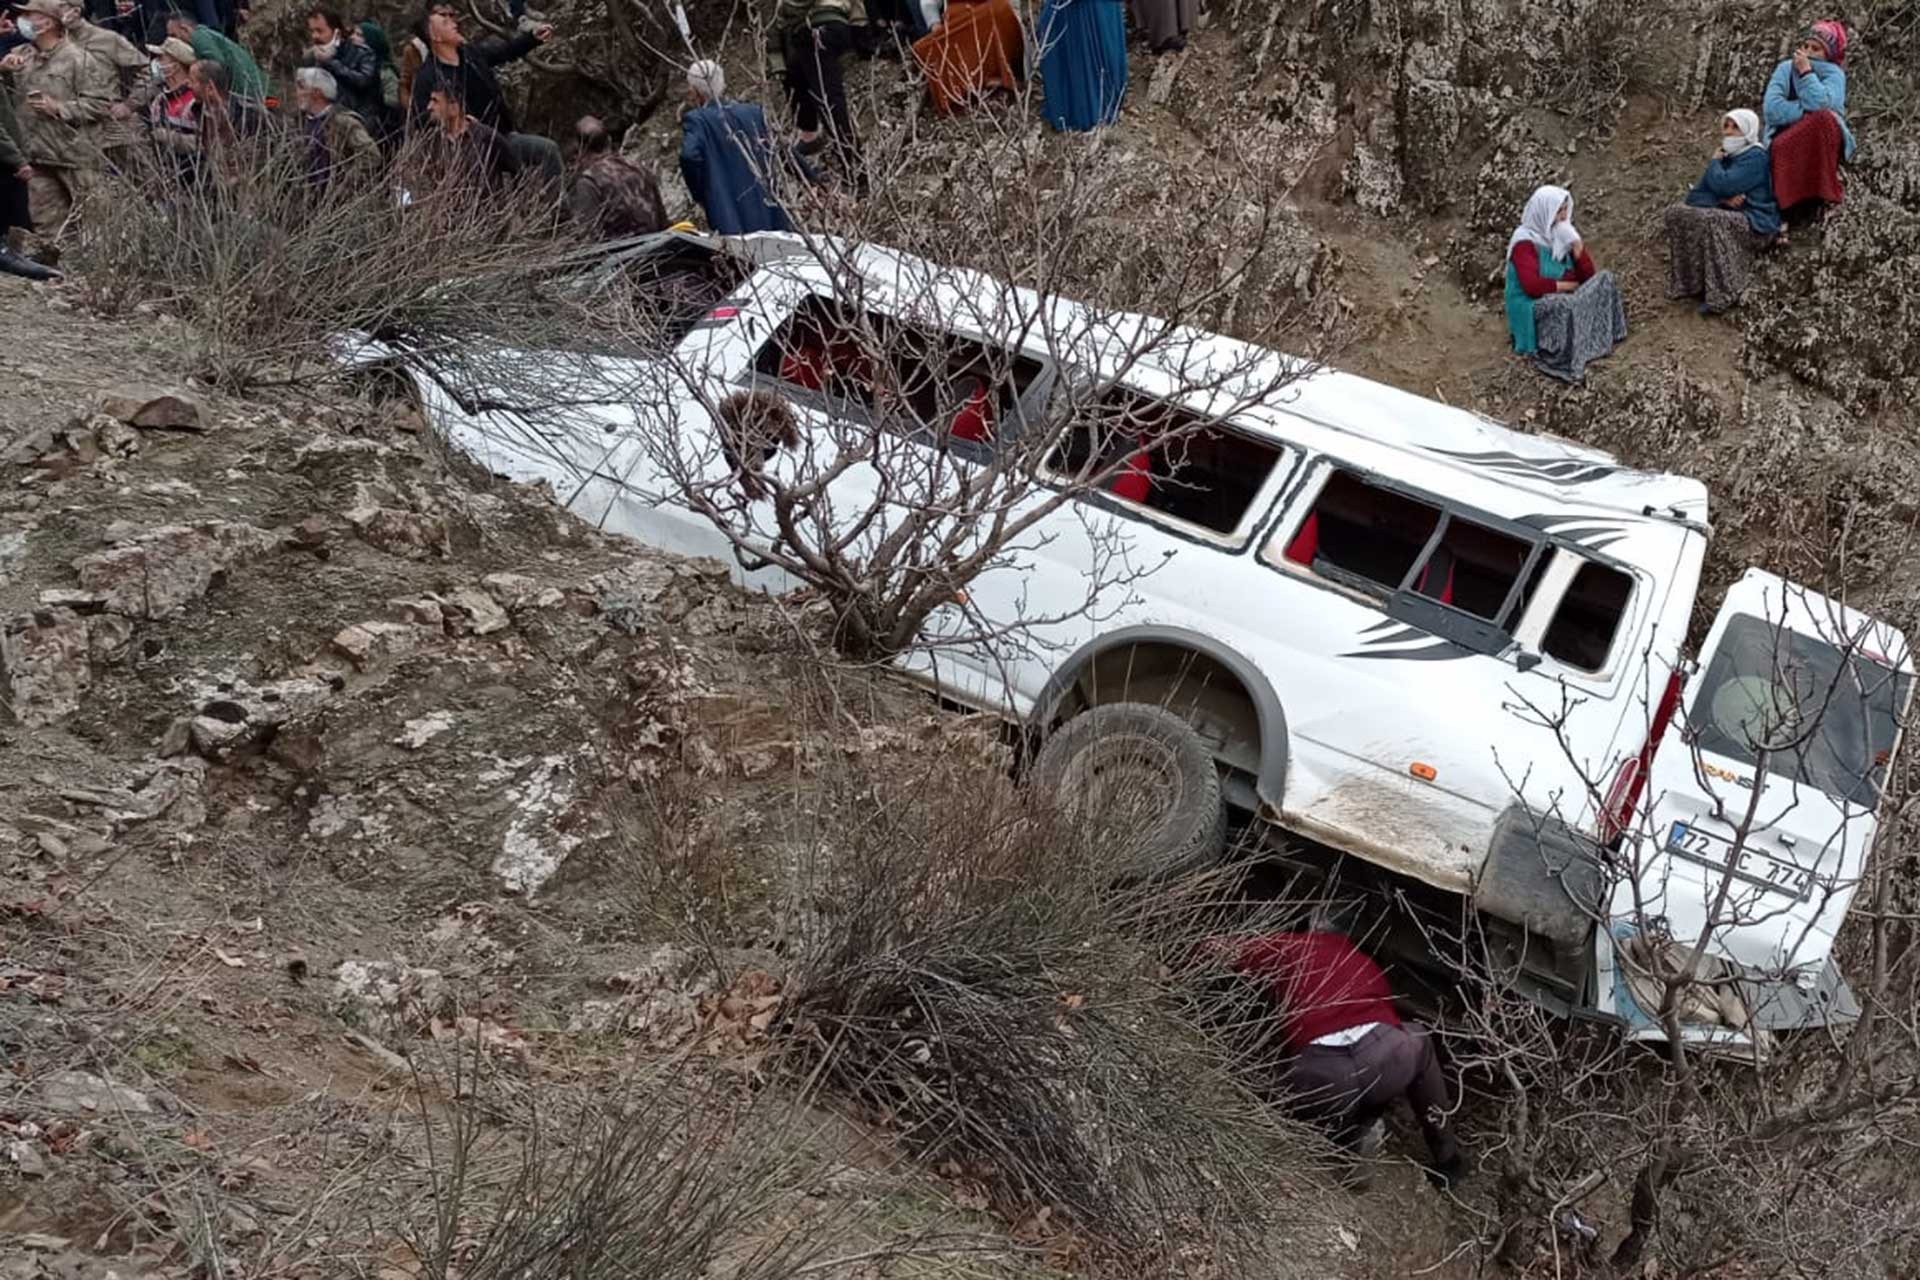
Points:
[[1143, 771]]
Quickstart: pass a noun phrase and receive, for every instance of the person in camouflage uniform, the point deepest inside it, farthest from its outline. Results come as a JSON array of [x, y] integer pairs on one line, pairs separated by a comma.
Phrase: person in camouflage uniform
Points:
[[14, 172], [134, 88], [63, 97], [613, 195]]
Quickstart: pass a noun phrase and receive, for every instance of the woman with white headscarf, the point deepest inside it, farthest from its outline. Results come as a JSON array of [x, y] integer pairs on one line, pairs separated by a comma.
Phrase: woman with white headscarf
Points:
[[1562, 313], [1729, 216]]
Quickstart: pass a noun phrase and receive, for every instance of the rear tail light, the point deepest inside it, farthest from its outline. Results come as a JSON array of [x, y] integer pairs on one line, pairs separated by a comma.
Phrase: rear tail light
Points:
[[1630, 779]]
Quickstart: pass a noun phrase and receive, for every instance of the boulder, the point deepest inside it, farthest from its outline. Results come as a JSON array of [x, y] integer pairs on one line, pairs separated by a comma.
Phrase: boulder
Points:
[[472, 610], [400, 533], [154, 409], [367, 643], [158, 572], [44, 658], [84, 1093]]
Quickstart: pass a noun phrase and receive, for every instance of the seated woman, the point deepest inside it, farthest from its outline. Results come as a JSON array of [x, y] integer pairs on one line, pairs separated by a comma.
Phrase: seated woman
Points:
[[1806, 113], [977, 48], [1728, 217], [1560, 310]]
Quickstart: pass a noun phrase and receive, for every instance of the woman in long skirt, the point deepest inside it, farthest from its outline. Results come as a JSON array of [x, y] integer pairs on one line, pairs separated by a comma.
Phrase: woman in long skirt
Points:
[[1561, 312], [1714, 239], [1083, 62], [1808, 136]]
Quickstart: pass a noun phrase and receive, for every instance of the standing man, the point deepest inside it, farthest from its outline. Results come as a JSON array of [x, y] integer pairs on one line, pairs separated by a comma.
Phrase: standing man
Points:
[[813, 38], [727, 157], [64, 97], [1350, 1056], [613, 195], [355, 70], [471, 68], [248, 80], [15, 220]]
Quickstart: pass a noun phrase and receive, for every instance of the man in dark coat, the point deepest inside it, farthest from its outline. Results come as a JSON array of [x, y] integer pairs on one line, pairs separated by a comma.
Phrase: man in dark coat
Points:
[[613, 195], [727, 156], [355, 72], [472, 68]]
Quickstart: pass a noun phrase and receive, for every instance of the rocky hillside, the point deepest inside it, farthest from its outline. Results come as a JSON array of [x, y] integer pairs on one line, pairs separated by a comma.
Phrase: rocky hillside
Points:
[[322, 751]]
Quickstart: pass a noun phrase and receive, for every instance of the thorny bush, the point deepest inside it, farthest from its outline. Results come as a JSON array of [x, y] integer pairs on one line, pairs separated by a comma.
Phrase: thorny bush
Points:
[[963, 969], [271, 271]]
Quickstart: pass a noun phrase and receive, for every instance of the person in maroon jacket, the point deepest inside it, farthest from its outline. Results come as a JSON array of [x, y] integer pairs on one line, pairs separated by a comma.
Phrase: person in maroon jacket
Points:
[[1350, 1054]]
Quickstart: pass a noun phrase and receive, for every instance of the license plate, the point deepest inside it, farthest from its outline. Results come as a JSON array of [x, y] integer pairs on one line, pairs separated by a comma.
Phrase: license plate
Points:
[[1754, 866]]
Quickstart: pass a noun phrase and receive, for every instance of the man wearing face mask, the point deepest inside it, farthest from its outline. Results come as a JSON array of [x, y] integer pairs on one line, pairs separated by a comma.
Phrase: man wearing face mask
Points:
[[355, 72], [65, 96]]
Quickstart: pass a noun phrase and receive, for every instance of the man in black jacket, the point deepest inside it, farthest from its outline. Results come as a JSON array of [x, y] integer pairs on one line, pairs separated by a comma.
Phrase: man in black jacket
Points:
[[356, 74], [470, 68]]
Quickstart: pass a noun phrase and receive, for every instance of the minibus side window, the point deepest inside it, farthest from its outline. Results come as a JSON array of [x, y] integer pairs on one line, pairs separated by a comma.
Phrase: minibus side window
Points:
[[1584, 626], [1156, 455]]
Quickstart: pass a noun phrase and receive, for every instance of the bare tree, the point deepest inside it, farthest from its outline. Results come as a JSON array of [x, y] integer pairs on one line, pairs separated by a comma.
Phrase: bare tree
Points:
[[1745, 1119]]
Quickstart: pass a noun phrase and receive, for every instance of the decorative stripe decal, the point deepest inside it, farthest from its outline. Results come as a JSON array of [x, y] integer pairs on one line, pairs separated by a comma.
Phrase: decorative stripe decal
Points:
[[1562, 471], [1438, 651]]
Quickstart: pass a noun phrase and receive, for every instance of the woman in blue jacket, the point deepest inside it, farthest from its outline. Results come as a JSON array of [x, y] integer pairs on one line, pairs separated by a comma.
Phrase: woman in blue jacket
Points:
[[1729, 216], [1806, 110]]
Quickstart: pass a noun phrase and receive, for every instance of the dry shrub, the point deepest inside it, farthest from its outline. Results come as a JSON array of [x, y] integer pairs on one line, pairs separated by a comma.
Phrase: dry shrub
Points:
[[680, 1178], [964, 968], [269, 271]]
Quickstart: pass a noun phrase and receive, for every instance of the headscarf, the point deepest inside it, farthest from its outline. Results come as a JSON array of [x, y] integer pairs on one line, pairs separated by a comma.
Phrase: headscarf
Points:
[[1833, 35], [1749, 125], [376, 37], [1536, 224], [708, 79]]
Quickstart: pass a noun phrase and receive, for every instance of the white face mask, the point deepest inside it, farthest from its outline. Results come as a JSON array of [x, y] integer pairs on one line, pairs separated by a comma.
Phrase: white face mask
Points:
[[155, 70], [27, 28], [1734, 145]]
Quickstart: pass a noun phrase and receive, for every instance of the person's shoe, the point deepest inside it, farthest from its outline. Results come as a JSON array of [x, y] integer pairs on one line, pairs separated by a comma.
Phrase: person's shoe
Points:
[[18, 264], [1449, 1173]]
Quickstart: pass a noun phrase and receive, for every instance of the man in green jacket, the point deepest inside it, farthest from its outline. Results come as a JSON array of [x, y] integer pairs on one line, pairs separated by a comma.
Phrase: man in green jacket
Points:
[[813, 37], [63, 99], [248, 80]]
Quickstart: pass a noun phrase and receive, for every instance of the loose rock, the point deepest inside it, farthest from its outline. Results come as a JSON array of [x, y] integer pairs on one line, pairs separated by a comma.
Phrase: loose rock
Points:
[[44, 658], [154, 409]]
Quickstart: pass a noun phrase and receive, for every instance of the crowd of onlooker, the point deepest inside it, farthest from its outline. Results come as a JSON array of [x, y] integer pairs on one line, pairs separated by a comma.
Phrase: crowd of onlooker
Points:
[[168, 87]]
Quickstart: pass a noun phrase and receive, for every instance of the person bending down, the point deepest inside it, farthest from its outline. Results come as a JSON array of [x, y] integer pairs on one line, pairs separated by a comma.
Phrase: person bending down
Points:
[[1349, 1054]]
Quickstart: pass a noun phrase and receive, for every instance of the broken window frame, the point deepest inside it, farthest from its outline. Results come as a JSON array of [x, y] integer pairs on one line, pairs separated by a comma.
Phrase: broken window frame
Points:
[[1524, 616], [1017, 411], [1287, 460]]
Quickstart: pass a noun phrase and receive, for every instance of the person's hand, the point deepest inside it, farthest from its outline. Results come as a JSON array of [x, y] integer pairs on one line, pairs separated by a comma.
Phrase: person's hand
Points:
[[1735, 202], [17, 60], [120, 111], [543, 32], [6, 25], [1565, 286], [46, 106], [123, 7], [24, 173], [1802, 64]]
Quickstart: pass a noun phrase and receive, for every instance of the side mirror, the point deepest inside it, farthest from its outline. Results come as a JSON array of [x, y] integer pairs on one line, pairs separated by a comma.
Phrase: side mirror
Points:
[[1526, 661]]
